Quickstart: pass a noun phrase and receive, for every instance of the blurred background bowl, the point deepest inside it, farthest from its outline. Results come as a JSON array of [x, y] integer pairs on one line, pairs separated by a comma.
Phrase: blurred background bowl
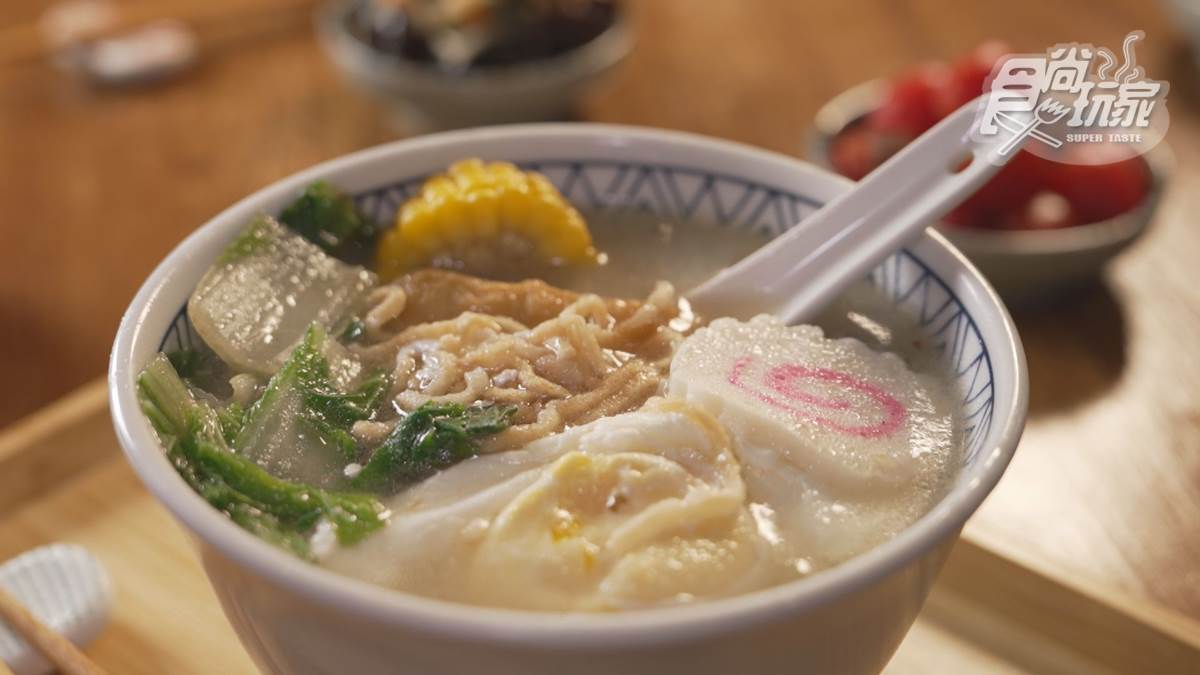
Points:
[[424, 97], [1027, 267], [1186, 15]]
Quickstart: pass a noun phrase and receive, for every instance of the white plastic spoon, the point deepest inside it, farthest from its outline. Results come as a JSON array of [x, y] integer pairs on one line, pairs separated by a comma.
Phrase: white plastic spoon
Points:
[[799, 272]]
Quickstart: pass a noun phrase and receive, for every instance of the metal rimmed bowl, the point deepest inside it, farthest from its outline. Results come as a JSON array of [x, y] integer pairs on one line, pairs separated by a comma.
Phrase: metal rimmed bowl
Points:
[[1027, 267]]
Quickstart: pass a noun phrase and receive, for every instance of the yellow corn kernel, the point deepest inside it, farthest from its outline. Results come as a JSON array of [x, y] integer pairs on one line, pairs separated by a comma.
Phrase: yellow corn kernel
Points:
[[481, 218], [474, 203]]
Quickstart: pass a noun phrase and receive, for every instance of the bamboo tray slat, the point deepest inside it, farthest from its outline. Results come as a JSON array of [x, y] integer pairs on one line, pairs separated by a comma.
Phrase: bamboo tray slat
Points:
[[62, 479]]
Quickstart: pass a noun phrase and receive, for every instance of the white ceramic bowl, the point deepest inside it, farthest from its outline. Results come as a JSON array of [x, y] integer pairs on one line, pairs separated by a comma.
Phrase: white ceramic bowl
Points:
[[296, 618], [422, 97], [1027, 267]]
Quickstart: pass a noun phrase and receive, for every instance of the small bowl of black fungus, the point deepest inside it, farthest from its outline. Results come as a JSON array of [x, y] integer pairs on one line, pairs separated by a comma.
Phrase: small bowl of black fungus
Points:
[[442, 64]]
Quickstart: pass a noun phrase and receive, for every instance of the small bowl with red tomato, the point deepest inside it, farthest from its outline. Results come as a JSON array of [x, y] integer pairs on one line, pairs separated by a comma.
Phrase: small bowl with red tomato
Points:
[[1039, 228]]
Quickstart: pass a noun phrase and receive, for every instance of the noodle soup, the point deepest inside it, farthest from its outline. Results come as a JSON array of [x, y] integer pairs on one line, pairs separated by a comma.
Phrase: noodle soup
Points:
[[504, 406]]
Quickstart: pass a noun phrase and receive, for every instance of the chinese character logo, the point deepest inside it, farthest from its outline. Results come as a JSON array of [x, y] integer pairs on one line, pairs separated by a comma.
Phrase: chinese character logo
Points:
[[1073, 95]]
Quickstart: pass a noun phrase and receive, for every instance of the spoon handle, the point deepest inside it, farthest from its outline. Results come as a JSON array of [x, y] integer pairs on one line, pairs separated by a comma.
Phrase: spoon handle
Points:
[[800, 271]]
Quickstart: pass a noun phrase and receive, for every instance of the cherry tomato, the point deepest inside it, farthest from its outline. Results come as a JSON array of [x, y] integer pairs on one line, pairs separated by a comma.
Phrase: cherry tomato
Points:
[[1046, 210], [966, 215], [859, 148], [1011, 187], [914, 101], [1101, 191], [972, 69], [850, 152], [1030, 192]]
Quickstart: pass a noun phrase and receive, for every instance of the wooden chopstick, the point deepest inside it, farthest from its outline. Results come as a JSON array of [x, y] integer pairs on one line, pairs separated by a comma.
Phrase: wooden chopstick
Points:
[[4, 669], [57, 649]]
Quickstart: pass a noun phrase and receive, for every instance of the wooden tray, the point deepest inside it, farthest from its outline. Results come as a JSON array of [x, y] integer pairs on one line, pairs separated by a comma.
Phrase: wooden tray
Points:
[[62, 479]]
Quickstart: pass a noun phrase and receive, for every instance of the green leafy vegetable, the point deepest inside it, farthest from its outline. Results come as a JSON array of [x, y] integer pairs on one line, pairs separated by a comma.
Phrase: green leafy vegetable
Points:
[[300, 428], [277, 510], [339, 440], [327, 217], [257, 236], [432, 437], [201, 368], [345, 409], [355, 329], [190, 362], [232, 418]]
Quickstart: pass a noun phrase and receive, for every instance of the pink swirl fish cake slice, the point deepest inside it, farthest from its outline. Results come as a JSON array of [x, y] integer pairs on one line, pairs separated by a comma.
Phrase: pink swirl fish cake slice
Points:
[[852, 422]]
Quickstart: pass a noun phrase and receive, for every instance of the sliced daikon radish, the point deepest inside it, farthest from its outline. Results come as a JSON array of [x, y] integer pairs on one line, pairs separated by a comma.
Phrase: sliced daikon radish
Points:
[[255, 303]]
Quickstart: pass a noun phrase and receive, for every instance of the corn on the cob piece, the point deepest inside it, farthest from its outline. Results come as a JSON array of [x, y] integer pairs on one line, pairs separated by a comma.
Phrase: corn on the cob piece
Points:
[[476, 205]]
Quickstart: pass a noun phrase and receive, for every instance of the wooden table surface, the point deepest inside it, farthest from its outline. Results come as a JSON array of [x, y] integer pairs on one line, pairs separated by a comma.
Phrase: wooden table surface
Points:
[[97, 185]]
